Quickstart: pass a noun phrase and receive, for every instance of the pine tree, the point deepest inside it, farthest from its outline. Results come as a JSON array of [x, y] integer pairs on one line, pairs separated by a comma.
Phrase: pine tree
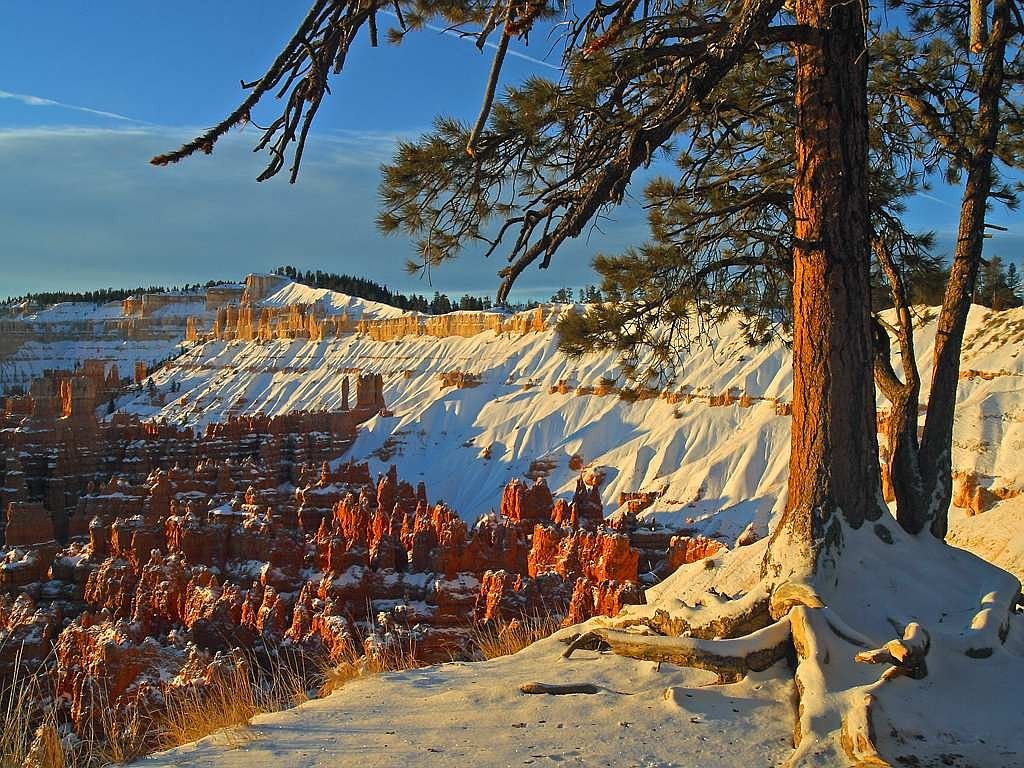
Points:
[[1013, 284]]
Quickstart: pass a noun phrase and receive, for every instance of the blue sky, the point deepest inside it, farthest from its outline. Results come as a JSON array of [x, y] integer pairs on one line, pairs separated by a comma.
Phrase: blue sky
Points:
[[88, 93]]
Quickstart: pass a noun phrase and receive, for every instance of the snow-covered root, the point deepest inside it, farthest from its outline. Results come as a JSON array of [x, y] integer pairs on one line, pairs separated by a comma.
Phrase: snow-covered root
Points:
[[730, 659], [834, 723], [906, 654], [719, 617], [858, 733], [846, 713], [723, 618], [990, 625]]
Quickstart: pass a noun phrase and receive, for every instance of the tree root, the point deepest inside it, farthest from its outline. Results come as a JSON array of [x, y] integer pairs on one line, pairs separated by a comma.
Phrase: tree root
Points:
[[833, 725], [907, 657], [991, 624], [790, 594], [809, 678], [730, 618], [906, 654], [839, 718], [730, 659], [858, 734]]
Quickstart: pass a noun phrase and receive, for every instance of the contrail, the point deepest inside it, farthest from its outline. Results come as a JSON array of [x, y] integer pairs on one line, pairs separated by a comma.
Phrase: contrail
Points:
[[935, 199], [457, 36], [38, 101]]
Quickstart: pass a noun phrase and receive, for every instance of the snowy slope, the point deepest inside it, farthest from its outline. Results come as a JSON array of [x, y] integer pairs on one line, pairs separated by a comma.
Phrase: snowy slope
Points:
[[719, 467], [61, 335], [723, 455], [333, 302], [75, 311], [33, 358]]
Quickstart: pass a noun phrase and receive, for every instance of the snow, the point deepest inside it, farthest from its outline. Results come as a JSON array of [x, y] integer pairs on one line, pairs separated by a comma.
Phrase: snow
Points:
[[34, 357], [472, 714], [720, 468], [333, 302], [689, 449], [75, 311], [997, 535], [60, 335], [649, 715]]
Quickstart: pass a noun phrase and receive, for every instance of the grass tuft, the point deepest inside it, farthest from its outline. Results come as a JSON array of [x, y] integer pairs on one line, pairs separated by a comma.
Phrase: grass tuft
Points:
[[504, 638], [351, 662]]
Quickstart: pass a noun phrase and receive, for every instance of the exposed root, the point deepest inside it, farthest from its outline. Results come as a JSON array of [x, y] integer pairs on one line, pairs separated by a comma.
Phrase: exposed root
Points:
[[812, 657], [792, 593], [991, 624], [858, 733], [830, 728], [906, 654], [907, 657], [730, 659], [725, 619], [850, 715], [837, 707]]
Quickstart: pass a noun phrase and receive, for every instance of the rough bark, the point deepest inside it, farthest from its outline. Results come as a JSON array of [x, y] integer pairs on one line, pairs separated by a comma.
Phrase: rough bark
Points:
[[834, 460], [936, 442]]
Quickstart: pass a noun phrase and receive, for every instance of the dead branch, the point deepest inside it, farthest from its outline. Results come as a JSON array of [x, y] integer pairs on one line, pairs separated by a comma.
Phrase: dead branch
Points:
[[730, 659], [491, 87], [559, 690]]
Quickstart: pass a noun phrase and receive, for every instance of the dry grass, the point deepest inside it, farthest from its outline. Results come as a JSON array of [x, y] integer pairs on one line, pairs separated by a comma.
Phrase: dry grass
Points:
[[223, 706], [507, 637], [227, 704], [30, 736], [195, 712], [46, 750], [352, 663], [18, 730]]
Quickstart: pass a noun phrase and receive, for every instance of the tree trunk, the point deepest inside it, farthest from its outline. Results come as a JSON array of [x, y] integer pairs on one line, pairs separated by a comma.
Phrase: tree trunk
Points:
[[834, 461], [936, 461], [903, 470]]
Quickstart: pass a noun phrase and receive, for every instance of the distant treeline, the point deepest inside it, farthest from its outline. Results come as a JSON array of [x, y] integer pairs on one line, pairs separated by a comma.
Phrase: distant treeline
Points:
[[362, 288], [999, 285], [104, 295]]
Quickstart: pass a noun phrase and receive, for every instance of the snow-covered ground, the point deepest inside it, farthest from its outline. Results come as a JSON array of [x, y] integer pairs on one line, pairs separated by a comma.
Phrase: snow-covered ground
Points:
[[472, 714]]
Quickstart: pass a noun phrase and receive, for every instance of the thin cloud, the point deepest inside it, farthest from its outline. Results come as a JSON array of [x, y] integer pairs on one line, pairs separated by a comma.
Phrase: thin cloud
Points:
[[39, 101]]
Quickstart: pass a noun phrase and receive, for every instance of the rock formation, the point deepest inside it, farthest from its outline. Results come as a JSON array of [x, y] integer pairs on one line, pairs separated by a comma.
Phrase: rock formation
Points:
[[143, 562]]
